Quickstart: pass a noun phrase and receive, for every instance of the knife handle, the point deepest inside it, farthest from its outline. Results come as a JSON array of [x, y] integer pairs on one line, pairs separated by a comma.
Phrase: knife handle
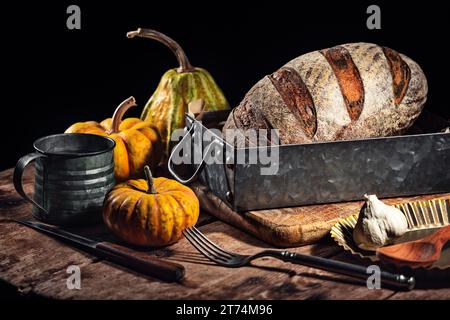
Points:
[[141, 262]]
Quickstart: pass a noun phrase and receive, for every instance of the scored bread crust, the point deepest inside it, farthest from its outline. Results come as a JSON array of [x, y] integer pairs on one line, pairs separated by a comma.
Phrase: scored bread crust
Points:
[[358, 90]]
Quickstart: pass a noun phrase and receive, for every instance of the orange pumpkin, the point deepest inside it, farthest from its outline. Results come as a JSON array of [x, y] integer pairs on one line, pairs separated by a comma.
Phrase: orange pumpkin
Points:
[[138, 143], [151, 212]]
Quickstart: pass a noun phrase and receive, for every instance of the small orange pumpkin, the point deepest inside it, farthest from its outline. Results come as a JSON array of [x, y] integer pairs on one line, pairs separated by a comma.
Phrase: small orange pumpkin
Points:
[[138, 142], [151, 212]]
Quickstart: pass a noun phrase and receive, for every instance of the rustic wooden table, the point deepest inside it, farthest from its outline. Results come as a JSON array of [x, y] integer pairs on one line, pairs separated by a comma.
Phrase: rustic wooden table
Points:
[[35, 264]]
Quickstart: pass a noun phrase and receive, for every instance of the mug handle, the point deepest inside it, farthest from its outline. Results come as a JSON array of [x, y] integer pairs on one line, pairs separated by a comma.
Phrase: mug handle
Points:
[[18, 173]]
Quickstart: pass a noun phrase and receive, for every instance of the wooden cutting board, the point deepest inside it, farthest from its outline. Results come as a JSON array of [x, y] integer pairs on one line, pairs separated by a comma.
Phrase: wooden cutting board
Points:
[[289, 227]]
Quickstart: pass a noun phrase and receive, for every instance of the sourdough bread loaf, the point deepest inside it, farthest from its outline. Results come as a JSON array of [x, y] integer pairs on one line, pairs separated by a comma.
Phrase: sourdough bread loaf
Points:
[[351, 91]]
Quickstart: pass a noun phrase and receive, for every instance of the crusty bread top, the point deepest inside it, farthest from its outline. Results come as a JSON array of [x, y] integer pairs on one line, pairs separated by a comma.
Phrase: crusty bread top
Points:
[[349, 91]]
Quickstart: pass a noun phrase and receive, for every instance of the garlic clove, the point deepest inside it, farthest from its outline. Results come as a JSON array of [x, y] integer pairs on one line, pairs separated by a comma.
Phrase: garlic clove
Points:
[[378, 224]]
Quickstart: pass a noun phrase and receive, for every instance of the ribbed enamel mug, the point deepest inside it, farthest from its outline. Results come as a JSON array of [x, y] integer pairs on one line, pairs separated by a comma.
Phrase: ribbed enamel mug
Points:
[[73, 173]]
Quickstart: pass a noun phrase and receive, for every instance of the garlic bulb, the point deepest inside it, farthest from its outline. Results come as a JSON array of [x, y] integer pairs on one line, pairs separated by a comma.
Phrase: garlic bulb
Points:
[[378, 224]]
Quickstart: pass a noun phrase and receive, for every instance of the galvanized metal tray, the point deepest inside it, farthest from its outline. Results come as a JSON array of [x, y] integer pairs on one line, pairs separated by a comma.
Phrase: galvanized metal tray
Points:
[[317, 173], [424, 218]]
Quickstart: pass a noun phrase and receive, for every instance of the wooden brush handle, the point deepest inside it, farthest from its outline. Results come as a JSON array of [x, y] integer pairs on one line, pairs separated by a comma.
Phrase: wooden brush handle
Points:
[[141, 262]]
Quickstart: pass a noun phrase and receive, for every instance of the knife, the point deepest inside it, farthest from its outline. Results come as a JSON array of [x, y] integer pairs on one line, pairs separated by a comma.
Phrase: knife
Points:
[[134, 260]]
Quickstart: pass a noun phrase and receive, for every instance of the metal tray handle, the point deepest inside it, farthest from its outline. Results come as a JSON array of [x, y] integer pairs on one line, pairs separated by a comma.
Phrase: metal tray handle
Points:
[[200, 166]]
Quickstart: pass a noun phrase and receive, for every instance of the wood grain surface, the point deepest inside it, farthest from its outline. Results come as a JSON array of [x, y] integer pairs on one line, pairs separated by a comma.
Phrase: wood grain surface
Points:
[[289, 227], [35, 265]]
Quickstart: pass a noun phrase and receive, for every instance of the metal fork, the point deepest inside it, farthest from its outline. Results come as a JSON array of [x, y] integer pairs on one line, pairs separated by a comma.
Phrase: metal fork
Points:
[[228, 259]]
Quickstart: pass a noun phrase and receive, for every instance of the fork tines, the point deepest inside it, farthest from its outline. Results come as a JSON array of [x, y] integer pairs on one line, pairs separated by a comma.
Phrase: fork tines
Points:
[[207, 247]]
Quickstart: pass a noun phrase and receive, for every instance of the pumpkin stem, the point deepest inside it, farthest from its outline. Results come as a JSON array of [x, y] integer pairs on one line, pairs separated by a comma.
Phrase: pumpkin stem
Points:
[[120, 111], [185, 65], [148, 175]]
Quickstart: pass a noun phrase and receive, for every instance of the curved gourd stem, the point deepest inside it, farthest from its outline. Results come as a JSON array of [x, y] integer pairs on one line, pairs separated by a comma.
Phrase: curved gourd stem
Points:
[[148, 175], [120, 111], [185, 65]]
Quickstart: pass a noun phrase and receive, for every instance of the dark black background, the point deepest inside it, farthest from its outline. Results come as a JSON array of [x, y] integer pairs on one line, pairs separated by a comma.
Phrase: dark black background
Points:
[[53, 77]]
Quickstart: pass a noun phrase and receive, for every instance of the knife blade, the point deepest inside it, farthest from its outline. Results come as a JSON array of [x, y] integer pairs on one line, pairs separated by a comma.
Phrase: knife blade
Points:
[[132, 259]]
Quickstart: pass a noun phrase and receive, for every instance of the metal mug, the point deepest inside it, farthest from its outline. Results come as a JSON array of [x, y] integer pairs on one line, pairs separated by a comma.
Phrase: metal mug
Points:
[[73, 174]]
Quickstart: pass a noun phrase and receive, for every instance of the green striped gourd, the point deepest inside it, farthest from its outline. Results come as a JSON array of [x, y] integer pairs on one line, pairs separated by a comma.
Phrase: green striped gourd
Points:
[[166, 107]]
